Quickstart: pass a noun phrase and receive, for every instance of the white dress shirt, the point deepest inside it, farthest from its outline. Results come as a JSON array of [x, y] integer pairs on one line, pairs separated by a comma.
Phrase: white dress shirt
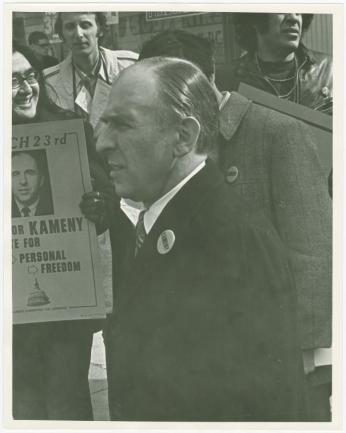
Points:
[[133, 209], [32, 207]]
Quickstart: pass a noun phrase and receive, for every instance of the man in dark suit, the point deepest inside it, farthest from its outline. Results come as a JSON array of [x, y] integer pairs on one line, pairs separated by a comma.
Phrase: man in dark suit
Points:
[[272, 161], [27, 186], [203, 327]]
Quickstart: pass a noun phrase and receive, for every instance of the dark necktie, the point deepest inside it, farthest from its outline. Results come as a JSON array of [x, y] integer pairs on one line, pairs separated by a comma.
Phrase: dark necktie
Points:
[[26, 211], [140, 232]]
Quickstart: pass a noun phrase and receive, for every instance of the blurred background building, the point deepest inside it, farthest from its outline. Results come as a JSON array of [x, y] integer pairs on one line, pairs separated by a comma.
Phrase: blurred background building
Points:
[[129, 30]]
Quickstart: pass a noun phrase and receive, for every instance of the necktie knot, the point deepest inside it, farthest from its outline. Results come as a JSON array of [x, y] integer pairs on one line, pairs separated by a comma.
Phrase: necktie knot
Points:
[[26, 211], [140, 232]]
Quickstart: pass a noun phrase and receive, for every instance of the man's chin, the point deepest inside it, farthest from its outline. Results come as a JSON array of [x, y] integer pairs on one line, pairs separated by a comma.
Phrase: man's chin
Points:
[[25, 114], [291, 45], [25, 201]]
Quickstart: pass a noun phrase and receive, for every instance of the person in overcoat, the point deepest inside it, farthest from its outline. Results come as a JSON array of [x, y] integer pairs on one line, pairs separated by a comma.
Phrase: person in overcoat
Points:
[[272, 161], [204, 327]]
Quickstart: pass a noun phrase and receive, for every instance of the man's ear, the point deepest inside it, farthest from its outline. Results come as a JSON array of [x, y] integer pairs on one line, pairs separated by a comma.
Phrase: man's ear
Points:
[[189, 131], [99, 33], [41, 181]]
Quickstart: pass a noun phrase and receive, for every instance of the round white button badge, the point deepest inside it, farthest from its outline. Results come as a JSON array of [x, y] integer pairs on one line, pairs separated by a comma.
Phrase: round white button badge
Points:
[[232, 174], [325, 91], [165, 241]]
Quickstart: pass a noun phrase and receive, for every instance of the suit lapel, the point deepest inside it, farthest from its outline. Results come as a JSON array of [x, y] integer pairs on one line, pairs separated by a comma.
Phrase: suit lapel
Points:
[[178, 213]]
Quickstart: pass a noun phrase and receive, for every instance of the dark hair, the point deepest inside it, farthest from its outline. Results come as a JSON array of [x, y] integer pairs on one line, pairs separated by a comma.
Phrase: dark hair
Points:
[[185, 91], [100, 18], [36, 155], [246, 25], [45, 190], [34, 37], [44, 104], [183, 45]]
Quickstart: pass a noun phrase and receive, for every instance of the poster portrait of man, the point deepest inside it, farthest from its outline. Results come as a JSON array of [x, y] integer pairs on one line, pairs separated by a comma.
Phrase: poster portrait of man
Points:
[[31, 190]]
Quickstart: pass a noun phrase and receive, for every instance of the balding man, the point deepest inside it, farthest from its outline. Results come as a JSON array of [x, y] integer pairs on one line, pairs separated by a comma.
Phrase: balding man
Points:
[[272, 161], [204, 328]]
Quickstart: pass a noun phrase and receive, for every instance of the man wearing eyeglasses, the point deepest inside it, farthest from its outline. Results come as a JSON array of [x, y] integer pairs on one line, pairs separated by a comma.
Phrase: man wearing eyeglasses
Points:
[[39, 44], [25, 89]]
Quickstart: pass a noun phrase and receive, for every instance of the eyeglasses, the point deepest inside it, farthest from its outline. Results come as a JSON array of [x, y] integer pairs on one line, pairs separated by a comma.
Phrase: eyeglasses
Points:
[[30, 78]]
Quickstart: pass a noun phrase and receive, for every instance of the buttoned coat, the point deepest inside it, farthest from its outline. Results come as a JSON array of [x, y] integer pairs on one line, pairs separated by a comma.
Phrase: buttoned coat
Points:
[[205, 331], [271, 160]]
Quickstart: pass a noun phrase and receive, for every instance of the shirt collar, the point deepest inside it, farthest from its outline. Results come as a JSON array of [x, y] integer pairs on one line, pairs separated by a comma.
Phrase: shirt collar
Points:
[[98, 71], [154, 211], [32, 207]]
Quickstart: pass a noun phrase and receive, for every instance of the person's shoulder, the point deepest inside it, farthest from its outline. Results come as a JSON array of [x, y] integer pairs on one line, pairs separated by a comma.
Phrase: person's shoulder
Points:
[[120, 55], [256, 116], [126, 55], [313, 57], [259, 115], [54, 72]]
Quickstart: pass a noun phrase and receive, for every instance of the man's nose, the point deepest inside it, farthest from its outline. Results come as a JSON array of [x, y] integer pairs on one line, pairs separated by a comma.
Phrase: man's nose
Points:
[[78, 31], [22, 179], [104, 140], [25, 87]]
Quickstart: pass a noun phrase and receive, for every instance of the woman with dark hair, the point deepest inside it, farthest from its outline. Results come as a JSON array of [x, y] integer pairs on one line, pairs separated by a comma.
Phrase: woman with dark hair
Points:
[[51, 359], [277, 62]]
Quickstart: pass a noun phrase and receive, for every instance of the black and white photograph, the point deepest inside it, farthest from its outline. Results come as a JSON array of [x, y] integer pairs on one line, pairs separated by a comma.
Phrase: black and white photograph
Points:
[[31, 190], [208, 193]]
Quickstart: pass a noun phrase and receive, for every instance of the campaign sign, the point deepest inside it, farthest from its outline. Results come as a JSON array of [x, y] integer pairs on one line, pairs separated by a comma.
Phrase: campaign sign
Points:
[[55, 258]]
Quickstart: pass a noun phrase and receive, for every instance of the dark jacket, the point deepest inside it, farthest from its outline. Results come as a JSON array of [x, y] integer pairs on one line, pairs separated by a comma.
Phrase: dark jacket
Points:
[[205, 332], [315, 84]]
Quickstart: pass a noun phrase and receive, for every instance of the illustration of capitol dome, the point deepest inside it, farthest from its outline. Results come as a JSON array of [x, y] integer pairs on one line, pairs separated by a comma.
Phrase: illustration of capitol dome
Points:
[[37, 296]]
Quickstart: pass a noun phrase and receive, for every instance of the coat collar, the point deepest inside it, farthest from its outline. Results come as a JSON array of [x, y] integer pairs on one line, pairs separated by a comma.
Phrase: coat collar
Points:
[[232, 114], [110, 62]]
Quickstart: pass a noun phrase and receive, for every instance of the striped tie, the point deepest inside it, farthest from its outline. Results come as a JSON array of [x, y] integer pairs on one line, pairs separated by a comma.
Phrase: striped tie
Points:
[[140, 232]]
